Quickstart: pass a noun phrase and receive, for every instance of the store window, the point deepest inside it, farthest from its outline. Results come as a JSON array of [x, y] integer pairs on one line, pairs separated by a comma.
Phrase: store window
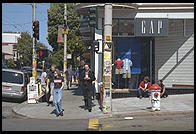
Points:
[[121, 27], [114, 26], [126, 27]]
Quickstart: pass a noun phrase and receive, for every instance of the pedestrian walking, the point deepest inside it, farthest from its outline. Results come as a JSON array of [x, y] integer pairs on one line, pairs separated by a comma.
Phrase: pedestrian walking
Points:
[[144, 86], [77, 76], [57, 92], [87, 76], [69, 74], [81, 69], [43, 83], [50, 84]]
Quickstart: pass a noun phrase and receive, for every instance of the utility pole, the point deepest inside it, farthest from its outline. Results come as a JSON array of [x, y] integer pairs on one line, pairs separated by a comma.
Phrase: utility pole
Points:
[[34, 63], [107, 61], [65, 32]]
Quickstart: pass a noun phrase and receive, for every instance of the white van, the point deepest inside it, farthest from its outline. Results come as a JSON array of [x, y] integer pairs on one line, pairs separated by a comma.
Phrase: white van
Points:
[[14, 84]]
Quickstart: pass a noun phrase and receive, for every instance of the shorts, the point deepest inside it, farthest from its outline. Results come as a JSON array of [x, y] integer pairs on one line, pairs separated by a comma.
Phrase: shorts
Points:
[[127, 75], [118, 71]]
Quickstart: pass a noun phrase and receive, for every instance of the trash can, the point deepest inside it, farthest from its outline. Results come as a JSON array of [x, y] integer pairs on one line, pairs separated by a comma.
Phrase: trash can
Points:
[[155, 90]]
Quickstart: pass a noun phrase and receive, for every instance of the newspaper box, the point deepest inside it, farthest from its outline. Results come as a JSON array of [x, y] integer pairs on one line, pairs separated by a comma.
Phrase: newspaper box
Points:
[[32, 93]]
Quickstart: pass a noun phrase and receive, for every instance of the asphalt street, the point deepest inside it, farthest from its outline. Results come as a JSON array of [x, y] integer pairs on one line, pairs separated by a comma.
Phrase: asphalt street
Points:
[[175, 116]]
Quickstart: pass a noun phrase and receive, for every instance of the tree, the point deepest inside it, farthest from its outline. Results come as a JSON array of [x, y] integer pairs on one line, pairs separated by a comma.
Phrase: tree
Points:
[[75, 46], [11, 64], [25, 48]]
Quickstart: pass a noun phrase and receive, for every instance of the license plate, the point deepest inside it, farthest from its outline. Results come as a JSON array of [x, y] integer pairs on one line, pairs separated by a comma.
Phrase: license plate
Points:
[[6, 88]]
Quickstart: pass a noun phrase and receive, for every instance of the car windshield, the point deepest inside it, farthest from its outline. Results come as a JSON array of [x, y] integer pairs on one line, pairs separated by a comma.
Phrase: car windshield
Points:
[[12, 77]]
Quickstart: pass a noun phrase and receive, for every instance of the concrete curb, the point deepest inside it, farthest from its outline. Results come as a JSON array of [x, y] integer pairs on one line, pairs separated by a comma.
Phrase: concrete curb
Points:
[[153, 113], [118, 115], [21, 111], [15, 111]]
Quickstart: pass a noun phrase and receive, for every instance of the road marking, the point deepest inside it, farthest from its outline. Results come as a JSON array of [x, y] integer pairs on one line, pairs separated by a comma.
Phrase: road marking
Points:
[[93, 124], [108, 126]]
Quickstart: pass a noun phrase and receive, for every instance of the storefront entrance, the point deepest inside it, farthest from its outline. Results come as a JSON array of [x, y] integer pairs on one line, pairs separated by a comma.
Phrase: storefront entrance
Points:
[[139, 52]]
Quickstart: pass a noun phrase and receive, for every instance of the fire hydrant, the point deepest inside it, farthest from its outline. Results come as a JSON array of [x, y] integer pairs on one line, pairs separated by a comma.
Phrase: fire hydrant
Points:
[[155, 90]]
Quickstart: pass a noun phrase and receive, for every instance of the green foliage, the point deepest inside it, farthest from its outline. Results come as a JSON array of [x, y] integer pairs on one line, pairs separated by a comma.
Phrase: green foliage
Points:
[[25, 48], [11, 64], [75, 46]]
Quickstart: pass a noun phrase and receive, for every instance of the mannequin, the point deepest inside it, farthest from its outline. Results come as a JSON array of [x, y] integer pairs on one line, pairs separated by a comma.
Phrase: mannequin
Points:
[[127, 63], [118, 70]]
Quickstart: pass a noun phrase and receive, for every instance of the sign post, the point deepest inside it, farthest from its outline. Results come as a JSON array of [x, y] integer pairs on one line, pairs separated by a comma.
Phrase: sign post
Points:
[[107, 60]]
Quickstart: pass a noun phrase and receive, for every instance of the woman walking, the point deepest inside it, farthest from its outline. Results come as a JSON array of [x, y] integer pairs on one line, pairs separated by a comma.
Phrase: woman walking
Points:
[[57, 92]]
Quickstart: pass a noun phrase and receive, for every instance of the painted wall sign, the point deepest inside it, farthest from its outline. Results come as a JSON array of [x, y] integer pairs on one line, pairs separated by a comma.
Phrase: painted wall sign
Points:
[[151, 27]]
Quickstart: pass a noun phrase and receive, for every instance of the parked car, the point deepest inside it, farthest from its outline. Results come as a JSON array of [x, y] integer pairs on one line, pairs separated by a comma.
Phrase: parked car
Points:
[[14, 84], [28, 70]]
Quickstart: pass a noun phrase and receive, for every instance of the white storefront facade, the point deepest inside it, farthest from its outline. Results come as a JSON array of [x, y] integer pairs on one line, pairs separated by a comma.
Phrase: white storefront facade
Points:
[[160, 37]]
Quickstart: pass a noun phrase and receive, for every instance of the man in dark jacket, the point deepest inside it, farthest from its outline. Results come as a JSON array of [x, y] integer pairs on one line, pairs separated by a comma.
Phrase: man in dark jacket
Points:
[[81, 69], [87, 76]]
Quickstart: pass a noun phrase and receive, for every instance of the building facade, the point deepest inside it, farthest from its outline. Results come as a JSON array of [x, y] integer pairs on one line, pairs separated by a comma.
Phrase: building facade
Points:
[[9, 43], [158, 36]]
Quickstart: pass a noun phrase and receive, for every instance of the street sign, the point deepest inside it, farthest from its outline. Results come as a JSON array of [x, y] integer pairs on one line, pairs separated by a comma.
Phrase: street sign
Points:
[[64, 31], [108, 38], [69, 56]]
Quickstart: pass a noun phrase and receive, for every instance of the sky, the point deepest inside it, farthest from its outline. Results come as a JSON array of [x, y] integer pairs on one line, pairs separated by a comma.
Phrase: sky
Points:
[[17, 17]]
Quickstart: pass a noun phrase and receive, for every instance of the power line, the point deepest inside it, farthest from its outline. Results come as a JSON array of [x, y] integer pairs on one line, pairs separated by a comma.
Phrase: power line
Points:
[[24, 23]]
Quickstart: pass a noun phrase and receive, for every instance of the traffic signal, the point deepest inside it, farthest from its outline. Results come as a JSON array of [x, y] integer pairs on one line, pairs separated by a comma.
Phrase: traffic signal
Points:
[[96, 46], [93, 17], [36, 29], [43, 53]]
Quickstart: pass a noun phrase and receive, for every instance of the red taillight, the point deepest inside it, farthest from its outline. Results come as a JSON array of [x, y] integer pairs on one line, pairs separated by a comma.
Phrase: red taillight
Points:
[[156, 94], [22, 89]]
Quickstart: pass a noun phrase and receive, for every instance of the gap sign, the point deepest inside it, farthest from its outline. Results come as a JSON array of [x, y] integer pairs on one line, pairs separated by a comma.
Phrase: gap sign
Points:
[[151, 27]]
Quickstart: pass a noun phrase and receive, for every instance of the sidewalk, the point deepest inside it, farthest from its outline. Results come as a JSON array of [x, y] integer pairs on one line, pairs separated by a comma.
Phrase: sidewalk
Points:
[[73, 105]]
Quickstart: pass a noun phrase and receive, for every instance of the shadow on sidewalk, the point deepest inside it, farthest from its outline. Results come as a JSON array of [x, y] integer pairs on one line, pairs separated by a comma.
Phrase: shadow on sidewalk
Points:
[[76, 91]]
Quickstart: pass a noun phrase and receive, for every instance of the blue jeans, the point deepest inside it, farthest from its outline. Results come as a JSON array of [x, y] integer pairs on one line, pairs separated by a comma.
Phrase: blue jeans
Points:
[[142, 93], [57, 99]]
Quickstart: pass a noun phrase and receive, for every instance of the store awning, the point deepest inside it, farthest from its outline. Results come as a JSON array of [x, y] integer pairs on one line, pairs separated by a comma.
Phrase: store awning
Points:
[[172, 15]]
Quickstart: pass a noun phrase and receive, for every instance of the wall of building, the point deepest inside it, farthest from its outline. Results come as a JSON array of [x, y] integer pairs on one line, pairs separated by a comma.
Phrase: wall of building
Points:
[[8, 50], [174, 55], [9, 40]]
